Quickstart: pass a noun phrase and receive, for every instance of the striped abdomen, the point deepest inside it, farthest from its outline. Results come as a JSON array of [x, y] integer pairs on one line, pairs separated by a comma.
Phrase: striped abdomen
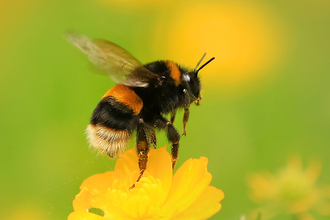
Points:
[[114, 120]]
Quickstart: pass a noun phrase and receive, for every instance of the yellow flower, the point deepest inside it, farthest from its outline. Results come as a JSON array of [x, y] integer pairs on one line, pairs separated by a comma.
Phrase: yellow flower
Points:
[[158, 195], [292, 191]]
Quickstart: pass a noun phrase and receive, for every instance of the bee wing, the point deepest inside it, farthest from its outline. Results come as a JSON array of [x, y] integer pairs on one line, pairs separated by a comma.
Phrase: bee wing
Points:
[[115, 61]]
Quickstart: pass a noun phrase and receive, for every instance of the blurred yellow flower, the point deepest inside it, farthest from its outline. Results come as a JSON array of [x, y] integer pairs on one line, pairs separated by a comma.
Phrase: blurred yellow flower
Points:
[[245, 38], [158, 194], [291, 191]]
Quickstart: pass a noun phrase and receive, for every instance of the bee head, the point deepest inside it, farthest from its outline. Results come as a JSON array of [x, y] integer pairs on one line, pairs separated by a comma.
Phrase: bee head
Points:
[[192, 79]]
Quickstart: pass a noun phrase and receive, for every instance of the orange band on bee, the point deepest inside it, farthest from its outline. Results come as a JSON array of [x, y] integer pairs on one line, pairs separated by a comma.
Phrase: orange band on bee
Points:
[[123, 94], [175, 71]]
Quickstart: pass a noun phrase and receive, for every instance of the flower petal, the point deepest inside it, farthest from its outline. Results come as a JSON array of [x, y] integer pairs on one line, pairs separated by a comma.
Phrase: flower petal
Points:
[[93, 191], [82, 202], [205, 206], [188, 183], [160, 166], [127, 164], [98, 183]]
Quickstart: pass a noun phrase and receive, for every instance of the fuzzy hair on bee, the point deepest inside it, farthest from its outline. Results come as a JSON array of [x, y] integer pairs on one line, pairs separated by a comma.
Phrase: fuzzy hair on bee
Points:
[[139, 101]]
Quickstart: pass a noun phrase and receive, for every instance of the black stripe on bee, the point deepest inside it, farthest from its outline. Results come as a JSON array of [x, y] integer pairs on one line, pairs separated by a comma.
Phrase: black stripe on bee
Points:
[[113, 114]]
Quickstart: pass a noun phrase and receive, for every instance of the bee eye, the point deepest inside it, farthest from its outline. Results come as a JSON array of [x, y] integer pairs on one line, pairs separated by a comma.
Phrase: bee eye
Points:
[[186, 77]]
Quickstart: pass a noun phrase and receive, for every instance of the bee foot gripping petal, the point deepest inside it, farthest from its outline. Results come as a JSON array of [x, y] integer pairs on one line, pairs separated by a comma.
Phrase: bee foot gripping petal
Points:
[[106, 140]]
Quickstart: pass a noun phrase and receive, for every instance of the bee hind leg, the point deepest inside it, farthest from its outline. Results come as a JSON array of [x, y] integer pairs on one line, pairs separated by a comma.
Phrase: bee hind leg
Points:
[[153, 138], [142, 147]]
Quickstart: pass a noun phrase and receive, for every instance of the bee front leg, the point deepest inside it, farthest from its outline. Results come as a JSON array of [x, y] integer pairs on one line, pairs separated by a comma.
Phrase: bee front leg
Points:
[[172, 135], [185, 120], [142, 147]]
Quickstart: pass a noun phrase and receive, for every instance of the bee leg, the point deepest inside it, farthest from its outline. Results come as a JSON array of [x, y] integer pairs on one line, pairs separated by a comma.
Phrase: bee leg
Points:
[[142, 149], [153, 138], [185, 120], [175, 153], [173, 113], [172, 135]]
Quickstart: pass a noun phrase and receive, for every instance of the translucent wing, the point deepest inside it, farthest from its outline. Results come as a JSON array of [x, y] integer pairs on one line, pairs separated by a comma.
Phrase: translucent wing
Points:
[[115, 61]]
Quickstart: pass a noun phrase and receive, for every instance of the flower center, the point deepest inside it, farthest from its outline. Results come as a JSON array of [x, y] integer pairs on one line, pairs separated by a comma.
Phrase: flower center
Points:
[[142, 201]]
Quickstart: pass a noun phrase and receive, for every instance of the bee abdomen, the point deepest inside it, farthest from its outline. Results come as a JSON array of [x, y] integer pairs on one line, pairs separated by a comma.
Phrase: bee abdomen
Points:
[[106, 140], [113, 120]]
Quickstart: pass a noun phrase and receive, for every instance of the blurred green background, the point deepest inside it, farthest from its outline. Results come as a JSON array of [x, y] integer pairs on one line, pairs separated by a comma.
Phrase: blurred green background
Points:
[[266, 96]]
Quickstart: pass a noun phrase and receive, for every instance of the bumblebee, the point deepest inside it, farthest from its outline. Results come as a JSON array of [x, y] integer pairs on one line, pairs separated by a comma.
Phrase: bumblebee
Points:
[[139, 101]]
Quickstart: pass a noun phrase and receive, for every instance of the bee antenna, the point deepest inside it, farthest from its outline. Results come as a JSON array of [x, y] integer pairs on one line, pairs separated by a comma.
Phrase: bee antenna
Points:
[[204, 65], [199, 62]]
